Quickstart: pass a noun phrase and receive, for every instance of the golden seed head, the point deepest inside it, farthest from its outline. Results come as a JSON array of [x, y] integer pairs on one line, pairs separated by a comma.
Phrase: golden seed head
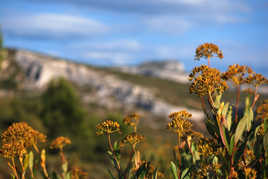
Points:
[[260, 131], [205, 150], [243, 75], [208, 50], [60, 142], [249, 156], [180, 123], [107, 127], [132, 119], [132, 139], [18, 138], [250, 173], [206, 80]]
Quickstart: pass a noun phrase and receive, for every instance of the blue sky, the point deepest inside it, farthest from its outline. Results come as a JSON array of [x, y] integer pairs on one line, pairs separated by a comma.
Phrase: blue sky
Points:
[[126, 32]]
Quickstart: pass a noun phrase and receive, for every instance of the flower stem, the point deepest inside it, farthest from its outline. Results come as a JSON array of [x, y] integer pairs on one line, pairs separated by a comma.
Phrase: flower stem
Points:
[[237, 102]]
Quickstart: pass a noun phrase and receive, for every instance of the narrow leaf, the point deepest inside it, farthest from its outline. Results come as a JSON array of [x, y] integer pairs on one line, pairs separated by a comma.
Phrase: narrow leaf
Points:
[[174, 170], [184, 173], [240, 129], [229, 118], [111, 175]]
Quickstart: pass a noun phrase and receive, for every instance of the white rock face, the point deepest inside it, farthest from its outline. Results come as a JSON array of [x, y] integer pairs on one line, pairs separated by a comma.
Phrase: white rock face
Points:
[[169, 69], [41, 69]]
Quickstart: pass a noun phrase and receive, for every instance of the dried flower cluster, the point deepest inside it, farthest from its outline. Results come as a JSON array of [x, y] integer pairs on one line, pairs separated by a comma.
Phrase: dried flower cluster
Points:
[[206, 80], [180, 123], [132, 139], [107, 127], [132, 119], [60, 142], [18, 138], [208, 50], [238, 74]]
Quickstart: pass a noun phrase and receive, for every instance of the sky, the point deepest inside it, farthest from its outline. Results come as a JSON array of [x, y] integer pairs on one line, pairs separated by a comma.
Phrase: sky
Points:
[[129, 32]]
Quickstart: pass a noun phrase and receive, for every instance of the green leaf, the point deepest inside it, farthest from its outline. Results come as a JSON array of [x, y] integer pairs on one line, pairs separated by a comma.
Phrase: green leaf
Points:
[[240, 129], [68, 175], [65, 167], [109, 153], [111, 175], [31, 160], [26, 162], [174, 170], [224, 110], [218, 101], [265, 141], [196, 155], [250, 117], [265, 125], [219, 112], [116, 146], [232, 143], [141, 171], [184, 173], [155, 174], [229, 118], [215, 160]]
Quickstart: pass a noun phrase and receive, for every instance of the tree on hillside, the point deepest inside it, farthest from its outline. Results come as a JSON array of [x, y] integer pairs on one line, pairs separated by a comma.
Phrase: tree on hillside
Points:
[[62, 113]]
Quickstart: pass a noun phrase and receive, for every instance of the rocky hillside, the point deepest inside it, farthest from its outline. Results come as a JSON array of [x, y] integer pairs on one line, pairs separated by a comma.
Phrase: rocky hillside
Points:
[[109, 90], [168, 69]]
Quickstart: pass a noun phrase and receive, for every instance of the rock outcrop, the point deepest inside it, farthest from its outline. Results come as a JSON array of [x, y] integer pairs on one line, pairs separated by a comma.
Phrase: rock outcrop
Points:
[[40, 69], [168, 69]]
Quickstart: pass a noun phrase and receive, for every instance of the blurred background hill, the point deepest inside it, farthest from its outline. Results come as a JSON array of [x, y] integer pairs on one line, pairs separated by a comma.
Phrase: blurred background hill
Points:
[[60, 97]]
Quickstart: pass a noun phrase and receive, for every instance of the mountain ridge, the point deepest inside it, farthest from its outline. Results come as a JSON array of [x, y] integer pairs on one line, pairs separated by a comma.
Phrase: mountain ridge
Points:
[[40, 69]]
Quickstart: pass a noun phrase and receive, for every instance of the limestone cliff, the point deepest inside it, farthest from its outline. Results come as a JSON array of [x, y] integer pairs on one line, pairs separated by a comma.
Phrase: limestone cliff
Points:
[[40, 69]]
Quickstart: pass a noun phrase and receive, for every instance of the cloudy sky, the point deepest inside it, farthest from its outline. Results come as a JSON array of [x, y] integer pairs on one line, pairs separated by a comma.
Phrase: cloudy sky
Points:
[[121, 32]]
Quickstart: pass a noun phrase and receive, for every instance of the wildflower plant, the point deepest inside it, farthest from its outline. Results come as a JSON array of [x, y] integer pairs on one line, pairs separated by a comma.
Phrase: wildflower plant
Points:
[[17, 141], [237, 145], [20, 144], [134, 166]]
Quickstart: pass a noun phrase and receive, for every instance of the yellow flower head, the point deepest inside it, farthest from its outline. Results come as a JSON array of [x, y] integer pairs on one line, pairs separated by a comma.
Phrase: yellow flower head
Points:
[[208, 50], [60, 142], [260, 131], [180, 123], [206, 80], [241, 75], [12, 150], [132, 119], [250, 173], [107, 127], [249, 156], [18, 137], [132, 139], [256, 79]]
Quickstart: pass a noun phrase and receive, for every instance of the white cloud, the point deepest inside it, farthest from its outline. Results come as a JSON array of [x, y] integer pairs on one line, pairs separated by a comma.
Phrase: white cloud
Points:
[[118, 45], [53, 25], [174, 52], [168, 24], [102, 57]]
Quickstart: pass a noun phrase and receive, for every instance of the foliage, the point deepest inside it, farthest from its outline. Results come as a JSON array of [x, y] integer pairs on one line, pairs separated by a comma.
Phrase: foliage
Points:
[[236, 147]]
